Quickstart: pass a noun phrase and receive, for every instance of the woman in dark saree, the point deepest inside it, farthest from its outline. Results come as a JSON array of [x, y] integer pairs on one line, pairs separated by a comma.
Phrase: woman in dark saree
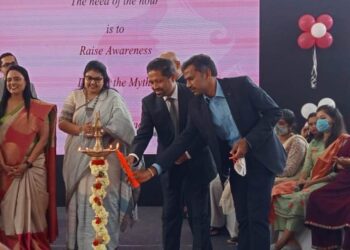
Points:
[[328, 209]]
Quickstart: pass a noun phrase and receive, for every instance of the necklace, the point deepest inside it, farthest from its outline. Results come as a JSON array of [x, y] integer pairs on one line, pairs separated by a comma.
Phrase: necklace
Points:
[[90, 110]]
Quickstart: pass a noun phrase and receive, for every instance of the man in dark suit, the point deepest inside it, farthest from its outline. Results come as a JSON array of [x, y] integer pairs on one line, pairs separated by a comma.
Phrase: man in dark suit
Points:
[[188, 177], [236, 119]]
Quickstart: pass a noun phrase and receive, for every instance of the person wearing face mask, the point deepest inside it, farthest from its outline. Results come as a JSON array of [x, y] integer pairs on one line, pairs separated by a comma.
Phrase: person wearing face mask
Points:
[[289, 198], [328, 209], [294, 144]]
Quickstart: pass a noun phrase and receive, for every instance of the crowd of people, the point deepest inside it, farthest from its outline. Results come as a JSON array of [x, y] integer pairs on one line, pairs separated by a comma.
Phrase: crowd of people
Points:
[[205, 126]]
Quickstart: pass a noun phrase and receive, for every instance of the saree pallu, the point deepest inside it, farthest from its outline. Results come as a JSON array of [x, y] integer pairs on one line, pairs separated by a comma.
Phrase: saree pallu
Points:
[[294, 207], [328, 211], [28, 217]]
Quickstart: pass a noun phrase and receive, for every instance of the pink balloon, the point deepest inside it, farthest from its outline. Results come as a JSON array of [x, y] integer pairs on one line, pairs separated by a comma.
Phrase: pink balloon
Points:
[[306, 40], [326, 19], [325, 41], [305, 22]]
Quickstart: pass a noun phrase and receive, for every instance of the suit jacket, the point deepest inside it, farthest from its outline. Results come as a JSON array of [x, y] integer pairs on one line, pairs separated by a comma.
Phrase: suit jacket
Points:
[[255, 114], [182, 80], [155, 114]]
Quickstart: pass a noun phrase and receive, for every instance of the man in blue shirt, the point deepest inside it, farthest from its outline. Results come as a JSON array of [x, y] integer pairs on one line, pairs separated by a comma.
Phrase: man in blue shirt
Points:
[[236, 119], [166, 111]]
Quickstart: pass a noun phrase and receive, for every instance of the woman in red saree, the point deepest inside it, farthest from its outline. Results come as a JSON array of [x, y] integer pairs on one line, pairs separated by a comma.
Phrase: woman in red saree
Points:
[[28, 218]]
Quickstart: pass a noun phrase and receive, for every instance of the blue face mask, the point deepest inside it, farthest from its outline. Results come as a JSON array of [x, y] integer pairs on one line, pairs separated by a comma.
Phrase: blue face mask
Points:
[[322, 125]]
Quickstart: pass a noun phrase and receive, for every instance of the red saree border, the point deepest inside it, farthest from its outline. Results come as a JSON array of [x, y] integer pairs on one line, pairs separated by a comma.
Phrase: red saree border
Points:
[[29, 241]]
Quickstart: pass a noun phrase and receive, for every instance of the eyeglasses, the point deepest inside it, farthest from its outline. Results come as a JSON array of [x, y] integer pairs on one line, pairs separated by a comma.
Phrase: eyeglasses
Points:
[[9, 64], [95, 79]]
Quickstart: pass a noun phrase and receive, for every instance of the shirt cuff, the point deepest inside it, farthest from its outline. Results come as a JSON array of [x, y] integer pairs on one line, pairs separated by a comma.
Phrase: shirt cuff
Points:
[[157, 167], [188, 155], [136, 157]]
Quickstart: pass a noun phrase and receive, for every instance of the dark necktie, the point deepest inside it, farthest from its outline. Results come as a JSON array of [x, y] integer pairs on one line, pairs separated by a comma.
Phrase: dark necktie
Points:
[[207, 100], [173, 114]]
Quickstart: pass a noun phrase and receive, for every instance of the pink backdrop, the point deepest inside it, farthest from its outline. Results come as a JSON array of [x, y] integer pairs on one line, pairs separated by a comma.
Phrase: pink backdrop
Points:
[[47, 38]]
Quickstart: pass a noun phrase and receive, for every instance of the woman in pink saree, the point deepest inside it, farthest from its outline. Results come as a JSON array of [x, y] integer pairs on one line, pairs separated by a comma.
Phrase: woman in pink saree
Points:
[[28, 218]]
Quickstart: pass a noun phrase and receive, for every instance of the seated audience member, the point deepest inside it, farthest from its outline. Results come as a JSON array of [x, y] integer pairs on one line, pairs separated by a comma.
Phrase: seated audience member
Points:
[[294, 144], [309, 131], [289, 197], [6, 61], [328, 208], [221, 217]]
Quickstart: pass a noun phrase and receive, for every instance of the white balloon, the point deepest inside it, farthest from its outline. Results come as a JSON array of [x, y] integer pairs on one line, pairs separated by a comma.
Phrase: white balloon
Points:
[[318, 30], [327, 101], [307, 109]]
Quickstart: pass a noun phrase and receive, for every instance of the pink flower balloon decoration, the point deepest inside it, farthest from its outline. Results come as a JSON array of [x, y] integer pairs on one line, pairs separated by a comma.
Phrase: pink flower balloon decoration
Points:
[[315, 31]]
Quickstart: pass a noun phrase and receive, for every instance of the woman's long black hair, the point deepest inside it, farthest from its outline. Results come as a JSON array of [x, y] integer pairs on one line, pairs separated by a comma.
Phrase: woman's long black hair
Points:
[[27, 94]]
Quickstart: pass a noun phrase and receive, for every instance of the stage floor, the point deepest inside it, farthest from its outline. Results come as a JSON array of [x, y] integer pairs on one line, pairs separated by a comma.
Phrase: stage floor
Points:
[[145, 234]]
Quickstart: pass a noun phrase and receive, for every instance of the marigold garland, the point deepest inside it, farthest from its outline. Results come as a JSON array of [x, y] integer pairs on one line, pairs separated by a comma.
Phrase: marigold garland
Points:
[[99, 168]]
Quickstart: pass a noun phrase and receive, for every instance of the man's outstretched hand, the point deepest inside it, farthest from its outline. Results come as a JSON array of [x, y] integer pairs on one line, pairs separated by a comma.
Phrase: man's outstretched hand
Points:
[[130, 160], [145, 175]]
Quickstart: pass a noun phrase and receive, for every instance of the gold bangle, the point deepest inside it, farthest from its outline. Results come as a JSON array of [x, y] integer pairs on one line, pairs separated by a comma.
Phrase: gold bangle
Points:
[[149, 170]]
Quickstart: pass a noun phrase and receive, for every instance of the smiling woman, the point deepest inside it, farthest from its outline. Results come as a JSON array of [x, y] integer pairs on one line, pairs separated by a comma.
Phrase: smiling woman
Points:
[[75, 120], [27, 165], [15, 83]]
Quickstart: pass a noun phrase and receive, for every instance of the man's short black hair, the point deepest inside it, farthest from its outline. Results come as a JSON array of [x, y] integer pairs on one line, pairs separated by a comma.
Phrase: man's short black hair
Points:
[[165, 66], [201, 63], [6, 54]]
